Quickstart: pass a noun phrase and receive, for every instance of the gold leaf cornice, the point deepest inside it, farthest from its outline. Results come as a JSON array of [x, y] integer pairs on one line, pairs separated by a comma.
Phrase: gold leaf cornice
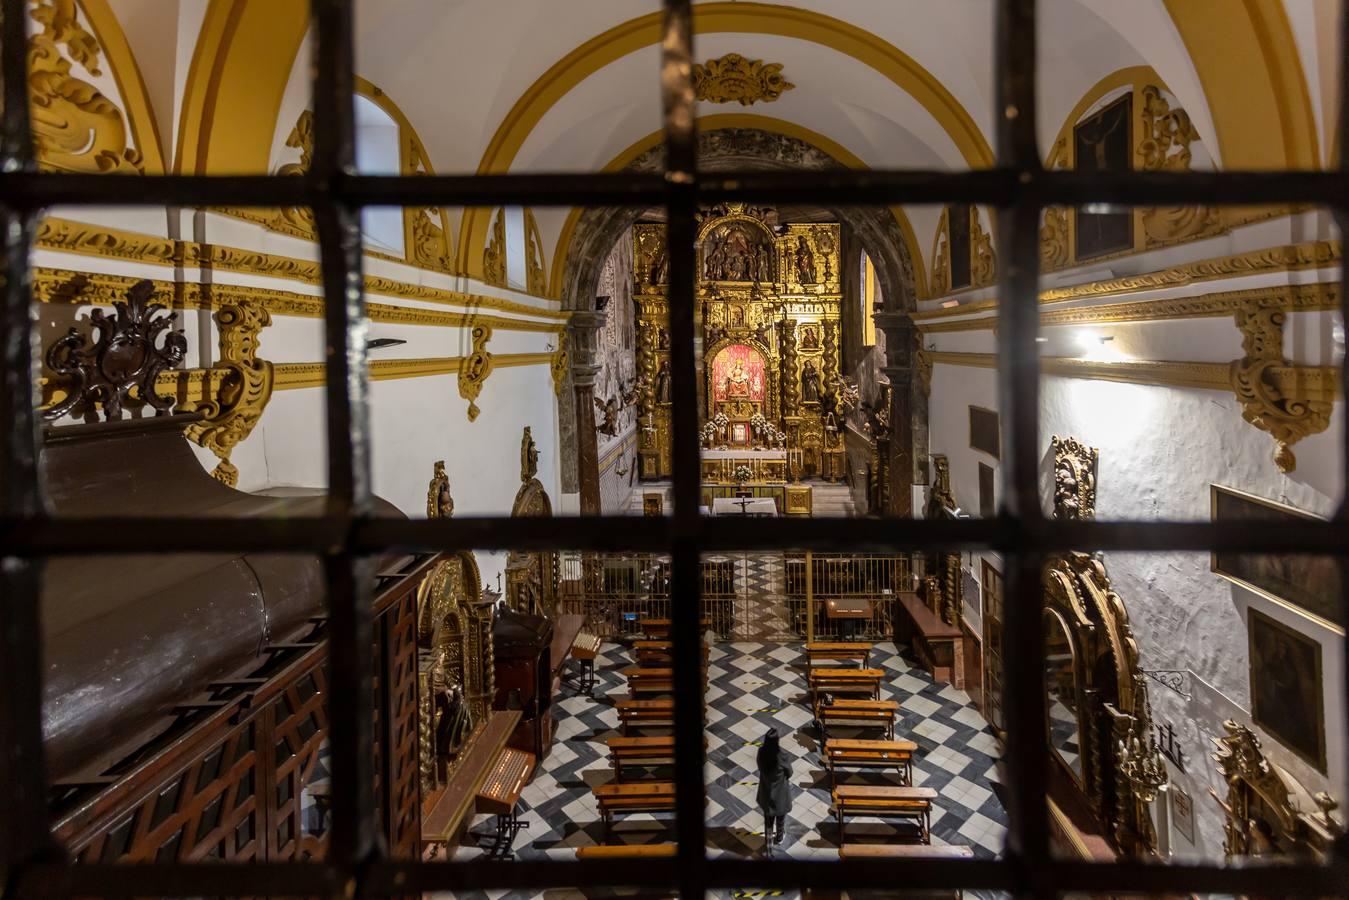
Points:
[[297, 376], [61, 286], [68, 236], [1289, 297], [1286, 258]]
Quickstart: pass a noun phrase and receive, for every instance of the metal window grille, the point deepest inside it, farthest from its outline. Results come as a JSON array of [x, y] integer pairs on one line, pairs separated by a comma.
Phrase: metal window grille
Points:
[[345, 537]]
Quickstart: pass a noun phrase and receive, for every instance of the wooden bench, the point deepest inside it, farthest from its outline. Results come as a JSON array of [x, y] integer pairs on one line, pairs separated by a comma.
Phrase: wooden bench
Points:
[[858, 754], [905, 851], [626, 851], [857, 714], [649, 681], [657, 653], [843, 680], [659, 629], [644, 713], [940, 648], [913, 804], [639, 797], [640, 751], [819, 651]]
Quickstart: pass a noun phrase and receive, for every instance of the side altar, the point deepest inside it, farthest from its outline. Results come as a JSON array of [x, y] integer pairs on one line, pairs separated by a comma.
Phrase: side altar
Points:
[[768, 312]]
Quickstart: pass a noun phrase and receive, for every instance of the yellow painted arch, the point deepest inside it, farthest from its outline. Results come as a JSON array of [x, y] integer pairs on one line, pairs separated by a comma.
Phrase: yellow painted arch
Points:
[[1252, 76], [742, 120], [140, 113], [716, 18], [232, 98]]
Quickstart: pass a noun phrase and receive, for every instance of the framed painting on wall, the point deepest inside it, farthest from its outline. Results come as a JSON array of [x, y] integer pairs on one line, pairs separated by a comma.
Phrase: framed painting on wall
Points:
[[1286, 689], [988, 507], [1313, 585], [984, 432]]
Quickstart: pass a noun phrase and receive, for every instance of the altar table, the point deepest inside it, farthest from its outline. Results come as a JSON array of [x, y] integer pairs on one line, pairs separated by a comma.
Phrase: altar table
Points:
[[748, 506]]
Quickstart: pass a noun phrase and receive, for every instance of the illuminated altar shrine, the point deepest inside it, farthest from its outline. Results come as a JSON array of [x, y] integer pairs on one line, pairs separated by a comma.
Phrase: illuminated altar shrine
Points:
[[768, 314]]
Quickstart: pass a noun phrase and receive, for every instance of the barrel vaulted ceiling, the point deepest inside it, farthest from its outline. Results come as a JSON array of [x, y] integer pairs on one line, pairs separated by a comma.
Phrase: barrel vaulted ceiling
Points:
[[537, 85]]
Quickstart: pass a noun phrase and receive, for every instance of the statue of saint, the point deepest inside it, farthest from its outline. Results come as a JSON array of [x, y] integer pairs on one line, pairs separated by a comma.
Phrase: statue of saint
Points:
[[439, 503], [737, 382], [810, 383], [663, 383], [805, 261], [760, 263], [529, 456]]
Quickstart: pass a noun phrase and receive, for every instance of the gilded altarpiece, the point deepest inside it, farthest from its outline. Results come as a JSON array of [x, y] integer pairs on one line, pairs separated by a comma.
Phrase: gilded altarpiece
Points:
[[768, 312]]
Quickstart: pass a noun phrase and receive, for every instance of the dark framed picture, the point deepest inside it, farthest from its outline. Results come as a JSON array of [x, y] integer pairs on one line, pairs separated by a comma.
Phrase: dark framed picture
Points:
[[1182, 812], [984, 433], [988, 507], [958, 226], [1103, 143], [1313, 585], [1286, 690]]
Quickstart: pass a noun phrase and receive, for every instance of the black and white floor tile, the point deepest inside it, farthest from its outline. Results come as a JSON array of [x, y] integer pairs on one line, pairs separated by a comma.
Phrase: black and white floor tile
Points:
[[751, 687]]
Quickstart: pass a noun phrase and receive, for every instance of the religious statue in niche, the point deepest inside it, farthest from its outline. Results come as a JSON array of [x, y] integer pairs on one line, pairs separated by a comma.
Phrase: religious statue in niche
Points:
[[737, 317], [454, 720], [810, 337], [732, 253], [609, 410], [810, 383], [662, 339], [805, 261], [663, 383], [439, 503], [738, 374]]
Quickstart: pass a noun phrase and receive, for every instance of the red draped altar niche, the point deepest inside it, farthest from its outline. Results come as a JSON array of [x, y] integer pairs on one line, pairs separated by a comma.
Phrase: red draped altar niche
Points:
[[738, 373]]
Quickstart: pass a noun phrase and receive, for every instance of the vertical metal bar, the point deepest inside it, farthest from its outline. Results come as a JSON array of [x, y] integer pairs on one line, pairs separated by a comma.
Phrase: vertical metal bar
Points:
[[676, 77], [1342, 218], [350, 655], [25, 832], [1019, 379], [810, 597]]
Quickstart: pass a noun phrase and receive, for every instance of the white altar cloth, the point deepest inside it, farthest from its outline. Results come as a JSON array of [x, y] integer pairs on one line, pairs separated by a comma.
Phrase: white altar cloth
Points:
[[744, 454], [747, 506]]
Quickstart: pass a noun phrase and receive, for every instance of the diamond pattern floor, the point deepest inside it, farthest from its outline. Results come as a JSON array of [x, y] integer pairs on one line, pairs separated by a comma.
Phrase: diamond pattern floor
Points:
[[752, 686]]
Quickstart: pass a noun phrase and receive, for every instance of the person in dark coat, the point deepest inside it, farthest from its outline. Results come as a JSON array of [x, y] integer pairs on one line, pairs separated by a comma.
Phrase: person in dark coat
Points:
[[775, 767]]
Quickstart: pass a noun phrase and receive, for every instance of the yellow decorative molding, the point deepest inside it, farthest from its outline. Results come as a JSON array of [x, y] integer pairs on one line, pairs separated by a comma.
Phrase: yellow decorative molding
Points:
[[61, 286], [1202, 376], [297, 376], [474, 369], [1318, 296], [536, 273], [68, 236], [1286, 258], [243, 394], [735, 79]]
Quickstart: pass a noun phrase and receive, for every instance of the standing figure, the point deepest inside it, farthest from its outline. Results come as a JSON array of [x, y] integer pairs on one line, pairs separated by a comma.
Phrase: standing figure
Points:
[[805, 261], [810, 383], [774, 795], [663, 383], [760, 263]]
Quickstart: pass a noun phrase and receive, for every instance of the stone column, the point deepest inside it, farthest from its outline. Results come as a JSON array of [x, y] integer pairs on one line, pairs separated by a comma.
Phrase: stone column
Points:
[[583, 348], [901, 343]]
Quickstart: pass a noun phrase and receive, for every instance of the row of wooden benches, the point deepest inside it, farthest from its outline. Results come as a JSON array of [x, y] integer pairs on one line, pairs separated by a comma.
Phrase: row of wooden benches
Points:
[[634, 713], [904, 802], [846, 851], [651, 752]]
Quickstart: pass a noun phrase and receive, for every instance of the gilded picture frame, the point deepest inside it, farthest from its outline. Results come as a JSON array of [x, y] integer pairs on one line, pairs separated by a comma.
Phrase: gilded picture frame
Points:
[[1312, 586], [1287, 691]]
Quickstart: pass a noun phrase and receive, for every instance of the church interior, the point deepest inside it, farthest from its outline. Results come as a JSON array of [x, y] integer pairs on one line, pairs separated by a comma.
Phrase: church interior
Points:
[[844, 364]]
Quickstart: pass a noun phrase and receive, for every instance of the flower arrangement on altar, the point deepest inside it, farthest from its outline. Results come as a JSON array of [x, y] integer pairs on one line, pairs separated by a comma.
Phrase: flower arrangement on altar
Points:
[[742, 474], [714, 426], [766, 431]]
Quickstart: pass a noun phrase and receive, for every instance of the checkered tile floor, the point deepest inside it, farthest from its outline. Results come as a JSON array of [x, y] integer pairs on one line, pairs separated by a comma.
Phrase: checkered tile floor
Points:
[[751, 687]]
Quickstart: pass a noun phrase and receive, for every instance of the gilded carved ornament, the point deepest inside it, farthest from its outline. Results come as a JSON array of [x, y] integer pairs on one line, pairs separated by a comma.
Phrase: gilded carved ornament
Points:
[[1074, 479], [983, 259], [426, 229], [474, 369], [1268, 811], [245, 391], [1286, 401], [735, 79], [1056, 228], [1164, 146], [76, 128], [558, 364], [494, 254], [298, 220], [536, 277]]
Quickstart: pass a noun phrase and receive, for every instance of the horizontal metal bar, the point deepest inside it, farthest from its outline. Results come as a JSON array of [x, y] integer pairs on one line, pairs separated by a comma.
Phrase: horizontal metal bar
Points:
[[32, 538], [384, 878], [842, 187]]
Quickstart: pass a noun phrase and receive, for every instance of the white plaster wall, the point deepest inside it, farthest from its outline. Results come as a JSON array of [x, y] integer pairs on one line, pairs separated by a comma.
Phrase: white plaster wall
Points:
[[1160, 449]]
